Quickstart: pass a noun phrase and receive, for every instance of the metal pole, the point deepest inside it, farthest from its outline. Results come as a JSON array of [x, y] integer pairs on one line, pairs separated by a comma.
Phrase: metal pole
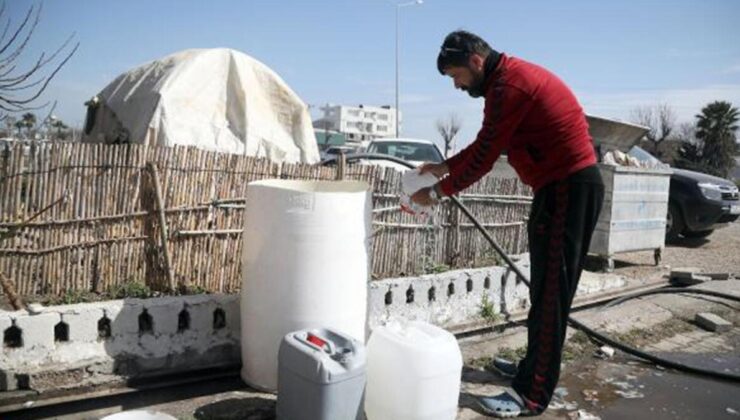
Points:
[[398, 7]]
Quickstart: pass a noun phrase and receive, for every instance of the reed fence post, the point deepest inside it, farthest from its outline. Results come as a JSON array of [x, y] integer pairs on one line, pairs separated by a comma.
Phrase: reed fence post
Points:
[[163, 232]]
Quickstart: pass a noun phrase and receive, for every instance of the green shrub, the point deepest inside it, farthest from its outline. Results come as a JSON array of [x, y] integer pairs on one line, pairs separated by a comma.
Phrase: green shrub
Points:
[[130, 289], [487, 310]]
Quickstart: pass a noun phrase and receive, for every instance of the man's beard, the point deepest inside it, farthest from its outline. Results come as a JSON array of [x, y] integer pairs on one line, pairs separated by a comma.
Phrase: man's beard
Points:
[[477, 89]]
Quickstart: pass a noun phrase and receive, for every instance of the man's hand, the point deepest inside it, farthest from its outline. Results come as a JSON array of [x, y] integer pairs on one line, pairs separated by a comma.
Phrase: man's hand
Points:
[[422, 197], [437, 169]]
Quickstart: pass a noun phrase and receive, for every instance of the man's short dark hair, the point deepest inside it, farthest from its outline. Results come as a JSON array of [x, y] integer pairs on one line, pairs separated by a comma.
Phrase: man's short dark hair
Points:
[[457, 48]]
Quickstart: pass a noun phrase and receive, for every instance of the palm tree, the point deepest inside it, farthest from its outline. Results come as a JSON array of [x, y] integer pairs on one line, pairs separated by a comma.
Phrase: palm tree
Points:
[[715, 128], [29, 121], [19, 125], [60, 126]]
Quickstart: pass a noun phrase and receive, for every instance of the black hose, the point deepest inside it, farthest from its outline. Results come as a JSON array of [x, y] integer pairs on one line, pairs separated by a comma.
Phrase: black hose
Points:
[[650, 357], [573, 322], [669, 290]]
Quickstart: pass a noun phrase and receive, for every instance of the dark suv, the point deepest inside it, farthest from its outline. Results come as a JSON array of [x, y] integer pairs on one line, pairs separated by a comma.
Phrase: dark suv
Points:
[[697, 203]]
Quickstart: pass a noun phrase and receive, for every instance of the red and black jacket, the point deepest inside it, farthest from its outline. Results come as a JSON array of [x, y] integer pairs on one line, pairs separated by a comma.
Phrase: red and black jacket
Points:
[[533, 116]]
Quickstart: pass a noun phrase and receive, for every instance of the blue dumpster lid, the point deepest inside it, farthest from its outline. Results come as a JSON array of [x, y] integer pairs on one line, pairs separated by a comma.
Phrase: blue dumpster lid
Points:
[[614, 135]]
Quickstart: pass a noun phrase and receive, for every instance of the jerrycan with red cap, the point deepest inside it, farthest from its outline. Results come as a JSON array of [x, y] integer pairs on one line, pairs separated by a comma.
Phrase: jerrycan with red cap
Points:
[[321, 376]]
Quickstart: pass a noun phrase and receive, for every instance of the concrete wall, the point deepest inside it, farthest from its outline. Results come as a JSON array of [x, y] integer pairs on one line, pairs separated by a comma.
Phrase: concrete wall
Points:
[[113, 339], [73, 345], [452, 299]]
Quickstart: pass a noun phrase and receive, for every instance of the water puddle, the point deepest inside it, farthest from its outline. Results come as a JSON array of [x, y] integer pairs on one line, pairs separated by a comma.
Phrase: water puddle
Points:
[[623, 388]]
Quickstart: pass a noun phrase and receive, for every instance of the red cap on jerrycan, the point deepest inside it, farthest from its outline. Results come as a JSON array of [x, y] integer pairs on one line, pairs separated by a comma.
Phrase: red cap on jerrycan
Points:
[[314, 339]]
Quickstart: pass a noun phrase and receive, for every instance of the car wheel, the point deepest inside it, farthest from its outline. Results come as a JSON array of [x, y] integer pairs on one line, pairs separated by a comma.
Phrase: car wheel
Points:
[[674, 223], [699, 234]]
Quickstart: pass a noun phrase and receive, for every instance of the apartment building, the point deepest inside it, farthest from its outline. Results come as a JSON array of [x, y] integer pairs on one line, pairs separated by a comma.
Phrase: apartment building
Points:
[[360, 123]]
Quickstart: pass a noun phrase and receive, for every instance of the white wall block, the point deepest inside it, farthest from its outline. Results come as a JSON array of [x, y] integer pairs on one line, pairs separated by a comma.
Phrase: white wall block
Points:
[[111, 309], [233, 317], [38, 330], [201, 317], [5, 320], [155, 346], [164, 314], [126, 321], [83, 323]]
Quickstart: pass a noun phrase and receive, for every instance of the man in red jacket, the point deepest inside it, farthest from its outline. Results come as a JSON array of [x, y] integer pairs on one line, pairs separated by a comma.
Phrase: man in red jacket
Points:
[[533, 116]]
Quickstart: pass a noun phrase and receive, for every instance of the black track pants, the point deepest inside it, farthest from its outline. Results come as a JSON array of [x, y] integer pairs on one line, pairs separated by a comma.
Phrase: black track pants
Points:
[[561, 223]]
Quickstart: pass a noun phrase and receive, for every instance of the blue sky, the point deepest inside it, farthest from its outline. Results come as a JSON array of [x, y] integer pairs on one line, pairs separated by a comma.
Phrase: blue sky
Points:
[[615, 55]]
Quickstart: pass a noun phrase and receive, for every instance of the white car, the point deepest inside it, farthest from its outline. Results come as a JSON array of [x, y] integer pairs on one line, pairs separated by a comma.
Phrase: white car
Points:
[[414, 151]]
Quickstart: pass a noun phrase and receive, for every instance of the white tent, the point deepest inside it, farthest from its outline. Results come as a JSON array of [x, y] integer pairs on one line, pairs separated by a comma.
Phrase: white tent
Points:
[[214, 99]]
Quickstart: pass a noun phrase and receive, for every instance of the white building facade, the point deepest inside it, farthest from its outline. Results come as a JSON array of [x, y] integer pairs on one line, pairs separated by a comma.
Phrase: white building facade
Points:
[[360, 123]]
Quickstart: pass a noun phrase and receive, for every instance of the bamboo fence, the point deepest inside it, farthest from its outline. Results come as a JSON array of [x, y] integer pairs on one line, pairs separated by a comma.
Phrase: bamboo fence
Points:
[[86, 217]]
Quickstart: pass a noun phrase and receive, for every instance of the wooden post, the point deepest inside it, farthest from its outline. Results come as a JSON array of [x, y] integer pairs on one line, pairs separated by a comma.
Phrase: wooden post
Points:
[[9, 290], [452, 251], [341, 164], [164, 234]]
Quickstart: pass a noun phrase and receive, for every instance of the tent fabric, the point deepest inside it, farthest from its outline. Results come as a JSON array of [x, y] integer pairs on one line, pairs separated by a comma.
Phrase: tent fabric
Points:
[[214, 99]]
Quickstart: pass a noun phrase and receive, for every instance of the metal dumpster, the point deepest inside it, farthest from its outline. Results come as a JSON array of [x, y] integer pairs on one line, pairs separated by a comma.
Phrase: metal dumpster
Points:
[[633, 217]]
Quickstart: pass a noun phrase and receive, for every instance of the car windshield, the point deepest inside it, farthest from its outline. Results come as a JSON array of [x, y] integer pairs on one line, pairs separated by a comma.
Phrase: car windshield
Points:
[[407, 150], [643, 156], [338, 150]]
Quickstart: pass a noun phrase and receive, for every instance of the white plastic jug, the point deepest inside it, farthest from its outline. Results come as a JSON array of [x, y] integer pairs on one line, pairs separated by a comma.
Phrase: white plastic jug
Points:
[[413, 373], [306, 265]]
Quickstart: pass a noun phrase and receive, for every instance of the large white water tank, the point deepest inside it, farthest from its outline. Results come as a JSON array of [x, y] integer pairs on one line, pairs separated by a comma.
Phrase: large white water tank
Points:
[[413, 373], [306, 265]]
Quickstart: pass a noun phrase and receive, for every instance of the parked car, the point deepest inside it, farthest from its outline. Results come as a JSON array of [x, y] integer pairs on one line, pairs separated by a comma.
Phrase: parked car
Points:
[[415, 151], [334, 151], [698, 203]]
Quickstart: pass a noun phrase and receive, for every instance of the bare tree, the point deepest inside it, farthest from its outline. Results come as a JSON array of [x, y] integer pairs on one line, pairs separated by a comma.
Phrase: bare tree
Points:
[[686, 132], [21, 87], [448, 129], [662, 122]]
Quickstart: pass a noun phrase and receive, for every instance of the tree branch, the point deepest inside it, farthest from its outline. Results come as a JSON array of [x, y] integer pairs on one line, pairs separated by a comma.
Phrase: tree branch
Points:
[[18, 89], [12, 56], [48, 79], [17, 31]]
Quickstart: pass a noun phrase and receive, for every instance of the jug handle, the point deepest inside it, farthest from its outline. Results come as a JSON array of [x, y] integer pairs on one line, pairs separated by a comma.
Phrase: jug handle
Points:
[[330, 348]]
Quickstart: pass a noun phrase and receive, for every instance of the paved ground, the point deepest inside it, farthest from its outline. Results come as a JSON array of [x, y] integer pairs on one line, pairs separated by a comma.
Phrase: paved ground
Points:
[[622, 387], [619, 388]]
